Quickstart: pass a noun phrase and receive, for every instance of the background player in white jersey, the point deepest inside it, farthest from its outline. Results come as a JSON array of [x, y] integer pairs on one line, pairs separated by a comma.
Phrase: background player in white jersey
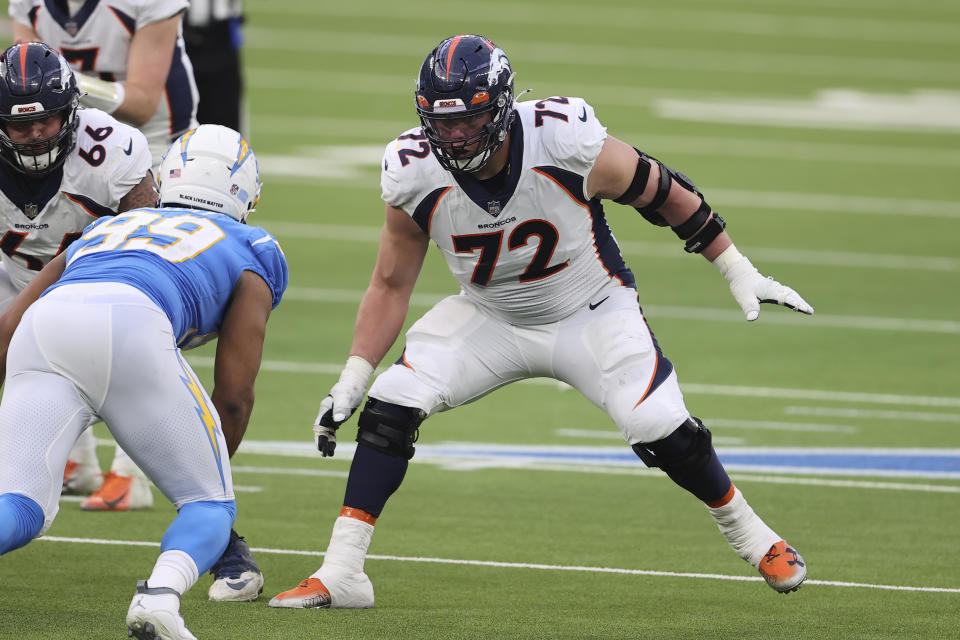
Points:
[[132, 64], [62, 167], [137, 288], [131, 57], [510, 193]]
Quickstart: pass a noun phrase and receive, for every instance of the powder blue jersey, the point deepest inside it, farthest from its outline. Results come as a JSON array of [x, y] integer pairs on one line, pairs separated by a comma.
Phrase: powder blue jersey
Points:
[[186, 261]]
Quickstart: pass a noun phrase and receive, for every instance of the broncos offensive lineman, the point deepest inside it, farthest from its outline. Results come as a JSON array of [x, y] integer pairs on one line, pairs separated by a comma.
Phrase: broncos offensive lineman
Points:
[[62, 166], [510, 193], [137, 288]]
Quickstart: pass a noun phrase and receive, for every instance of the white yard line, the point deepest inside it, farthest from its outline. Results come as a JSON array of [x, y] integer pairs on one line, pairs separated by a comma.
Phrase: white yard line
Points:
[[735, 424], [357, 131], [654, 312], [908, 416], [688, 387], [824, 25], [803, 65], [530, 565]]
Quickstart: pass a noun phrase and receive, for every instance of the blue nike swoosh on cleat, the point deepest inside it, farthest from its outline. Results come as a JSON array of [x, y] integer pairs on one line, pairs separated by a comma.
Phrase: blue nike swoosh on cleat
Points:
[[583, 115], [237, 586]]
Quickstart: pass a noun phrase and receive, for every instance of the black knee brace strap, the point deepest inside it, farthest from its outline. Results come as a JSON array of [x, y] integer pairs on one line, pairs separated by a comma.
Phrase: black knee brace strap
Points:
[[686, 450], [389, 428]]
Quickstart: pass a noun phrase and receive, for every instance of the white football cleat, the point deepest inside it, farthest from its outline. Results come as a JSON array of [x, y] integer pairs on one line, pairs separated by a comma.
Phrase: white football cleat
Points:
[[120, 493], [81, 478], [154, 614], [329, 591]]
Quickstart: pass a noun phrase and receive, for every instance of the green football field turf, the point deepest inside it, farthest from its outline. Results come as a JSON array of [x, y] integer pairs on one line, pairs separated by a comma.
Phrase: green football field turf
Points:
[[826, 133]]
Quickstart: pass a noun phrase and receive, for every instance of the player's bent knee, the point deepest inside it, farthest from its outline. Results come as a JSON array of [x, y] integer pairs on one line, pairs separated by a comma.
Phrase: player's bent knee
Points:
[[389, 428], [687, 450]]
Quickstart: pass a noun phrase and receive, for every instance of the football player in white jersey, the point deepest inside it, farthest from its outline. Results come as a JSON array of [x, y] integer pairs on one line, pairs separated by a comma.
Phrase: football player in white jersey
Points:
[[511, 194], [62, 167], [131, 57]]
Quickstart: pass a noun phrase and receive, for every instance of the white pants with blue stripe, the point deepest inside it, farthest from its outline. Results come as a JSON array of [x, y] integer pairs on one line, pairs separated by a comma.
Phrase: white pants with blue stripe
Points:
[[106, 351]]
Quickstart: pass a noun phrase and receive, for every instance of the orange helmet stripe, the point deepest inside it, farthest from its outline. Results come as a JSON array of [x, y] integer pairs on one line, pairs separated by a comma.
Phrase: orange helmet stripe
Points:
[[23, 64], [453, 47]]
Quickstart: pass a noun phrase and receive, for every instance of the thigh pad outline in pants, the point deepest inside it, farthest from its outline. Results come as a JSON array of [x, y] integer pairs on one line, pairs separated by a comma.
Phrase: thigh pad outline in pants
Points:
[[611, 358], [453, 355], [172, 431]]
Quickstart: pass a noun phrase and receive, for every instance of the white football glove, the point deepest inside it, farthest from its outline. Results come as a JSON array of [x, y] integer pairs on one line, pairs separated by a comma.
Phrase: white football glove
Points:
[[750, 288], [340, 403], [100, 94]]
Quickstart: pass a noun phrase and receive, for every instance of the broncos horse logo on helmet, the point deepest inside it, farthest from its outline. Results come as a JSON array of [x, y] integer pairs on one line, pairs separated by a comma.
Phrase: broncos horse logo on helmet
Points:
[[464, 77], [36, 83]]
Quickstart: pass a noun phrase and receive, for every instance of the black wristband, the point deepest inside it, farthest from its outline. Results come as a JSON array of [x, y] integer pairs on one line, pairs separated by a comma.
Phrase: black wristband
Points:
[[702, 239], [691, 225]]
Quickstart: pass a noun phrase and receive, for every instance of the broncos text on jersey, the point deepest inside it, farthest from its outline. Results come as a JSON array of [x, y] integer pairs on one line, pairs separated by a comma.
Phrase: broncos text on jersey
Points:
[[108, 160], [532, 248]]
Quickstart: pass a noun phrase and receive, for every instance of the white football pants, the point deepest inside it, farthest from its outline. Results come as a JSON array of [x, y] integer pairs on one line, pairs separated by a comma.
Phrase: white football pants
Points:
[[457, 353], [105, 350]]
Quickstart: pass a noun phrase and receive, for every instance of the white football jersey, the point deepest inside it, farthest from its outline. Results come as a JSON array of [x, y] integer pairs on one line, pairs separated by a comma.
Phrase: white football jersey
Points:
[[535, 249], [108, 160], [96, 40]]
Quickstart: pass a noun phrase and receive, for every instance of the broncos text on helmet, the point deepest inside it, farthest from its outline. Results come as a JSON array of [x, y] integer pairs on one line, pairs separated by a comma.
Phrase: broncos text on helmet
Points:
[[463, 78], [36, 83]]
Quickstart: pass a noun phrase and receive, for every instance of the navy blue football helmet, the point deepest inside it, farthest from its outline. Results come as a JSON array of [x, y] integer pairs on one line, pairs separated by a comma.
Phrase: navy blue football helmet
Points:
[[36, 83], [464, 77]]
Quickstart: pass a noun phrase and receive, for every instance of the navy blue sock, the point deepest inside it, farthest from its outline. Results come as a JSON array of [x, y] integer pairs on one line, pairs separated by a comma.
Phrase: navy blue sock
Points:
[[707, 480], [710, 484], [373, 478]]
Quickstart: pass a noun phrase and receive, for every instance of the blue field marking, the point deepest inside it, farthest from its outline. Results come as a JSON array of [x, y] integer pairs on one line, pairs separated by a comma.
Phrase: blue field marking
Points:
[[904, 463], [818, 461]]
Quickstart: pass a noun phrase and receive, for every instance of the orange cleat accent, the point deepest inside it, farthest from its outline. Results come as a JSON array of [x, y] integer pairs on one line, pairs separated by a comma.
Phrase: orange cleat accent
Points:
[[81, 479], [783, 568], [119, 493], [309, 594]]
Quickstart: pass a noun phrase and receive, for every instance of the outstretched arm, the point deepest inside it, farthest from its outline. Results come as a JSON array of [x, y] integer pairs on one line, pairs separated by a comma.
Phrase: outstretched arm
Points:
[[667, 197]]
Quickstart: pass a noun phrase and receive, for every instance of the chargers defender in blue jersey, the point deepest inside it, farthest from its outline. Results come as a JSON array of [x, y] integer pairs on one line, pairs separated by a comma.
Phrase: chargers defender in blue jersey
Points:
[[98, 334]]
